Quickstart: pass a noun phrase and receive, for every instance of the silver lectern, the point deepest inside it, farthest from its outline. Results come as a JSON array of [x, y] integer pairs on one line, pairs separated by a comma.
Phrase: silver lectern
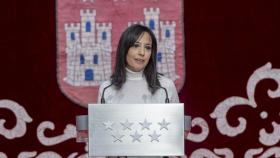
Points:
[[136, 129]]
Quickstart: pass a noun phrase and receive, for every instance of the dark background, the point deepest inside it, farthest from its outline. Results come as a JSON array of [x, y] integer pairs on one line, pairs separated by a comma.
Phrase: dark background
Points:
[[225, 42]]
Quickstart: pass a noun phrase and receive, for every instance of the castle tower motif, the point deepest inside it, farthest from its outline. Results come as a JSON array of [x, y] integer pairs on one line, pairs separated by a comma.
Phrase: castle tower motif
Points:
[[88, 50], [88, 25], [168, 34], [152, 20], [104, 38], [165, 35], [72, 34], [104, 34], [72, 45], [168, 45]]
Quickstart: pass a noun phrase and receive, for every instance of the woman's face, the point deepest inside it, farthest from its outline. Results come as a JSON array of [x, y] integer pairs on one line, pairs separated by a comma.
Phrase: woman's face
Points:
[[139, 54]]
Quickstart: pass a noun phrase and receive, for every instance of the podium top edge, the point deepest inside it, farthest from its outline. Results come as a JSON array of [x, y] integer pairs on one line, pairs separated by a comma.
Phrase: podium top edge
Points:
[[143, 104]]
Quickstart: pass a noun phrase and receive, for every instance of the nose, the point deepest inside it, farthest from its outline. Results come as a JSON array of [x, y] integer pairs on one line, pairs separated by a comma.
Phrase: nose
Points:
[[141, 51]]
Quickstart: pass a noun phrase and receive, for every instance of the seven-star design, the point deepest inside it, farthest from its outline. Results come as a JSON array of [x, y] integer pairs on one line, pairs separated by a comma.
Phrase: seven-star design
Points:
[[126, 125], [136, 136], [145, 124], [108, 125], [163, 124], [118, 137], [154, 136]]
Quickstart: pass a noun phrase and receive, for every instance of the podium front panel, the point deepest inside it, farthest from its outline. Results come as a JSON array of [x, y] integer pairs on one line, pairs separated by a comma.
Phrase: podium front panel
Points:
[[136, 129]]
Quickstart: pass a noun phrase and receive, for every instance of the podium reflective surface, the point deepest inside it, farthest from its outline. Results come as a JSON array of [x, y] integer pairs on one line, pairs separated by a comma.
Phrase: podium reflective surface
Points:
[[136, 129]]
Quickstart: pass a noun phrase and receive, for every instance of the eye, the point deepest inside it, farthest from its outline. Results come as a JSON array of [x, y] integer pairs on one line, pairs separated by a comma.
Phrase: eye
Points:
[[148, 47], [136, 45]]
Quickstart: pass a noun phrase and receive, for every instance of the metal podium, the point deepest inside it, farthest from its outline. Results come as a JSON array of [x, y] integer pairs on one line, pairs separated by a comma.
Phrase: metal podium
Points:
[[136, 129]]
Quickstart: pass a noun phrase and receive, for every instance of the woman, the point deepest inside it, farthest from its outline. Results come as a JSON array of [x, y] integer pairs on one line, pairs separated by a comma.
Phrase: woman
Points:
[[135, 78]]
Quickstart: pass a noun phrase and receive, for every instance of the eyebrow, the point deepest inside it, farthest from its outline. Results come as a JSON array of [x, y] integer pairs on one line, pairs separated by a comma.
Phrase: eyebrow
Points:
[[141, 43]]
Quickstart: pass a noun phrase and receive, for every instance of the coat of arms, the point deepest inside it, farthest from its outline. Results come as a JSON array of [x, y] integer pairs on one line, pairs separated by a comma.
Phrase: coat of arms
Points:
[[88, 34]]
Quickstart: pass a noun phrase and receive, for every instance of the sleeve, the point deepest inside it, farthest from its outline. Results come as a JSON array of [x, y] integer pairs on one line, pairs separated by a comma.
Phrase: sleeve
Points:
[[99, 94], [173, 94], [101, 87]]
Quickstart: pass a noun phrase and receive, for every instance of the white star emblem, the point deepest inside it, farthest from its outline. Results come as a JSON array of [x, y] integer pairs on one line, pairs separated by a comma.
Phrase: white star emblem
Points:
[[163, 124], [145, 124], [136, 137], [126, 125], [108, 125], [154, 136], [118, 137]]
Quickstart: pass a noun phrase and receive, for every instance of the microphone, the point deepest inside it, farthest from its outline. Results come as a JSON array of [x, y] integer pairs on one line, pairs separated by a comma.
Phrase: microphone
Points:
[[166, 94], [102, 96], [103, 99]]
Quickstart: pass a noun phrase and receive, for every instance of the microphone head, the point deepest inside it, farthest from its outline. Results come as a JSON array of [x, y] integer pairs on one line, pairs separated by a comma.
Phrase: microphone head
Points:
[[167, 100], [102, 100]]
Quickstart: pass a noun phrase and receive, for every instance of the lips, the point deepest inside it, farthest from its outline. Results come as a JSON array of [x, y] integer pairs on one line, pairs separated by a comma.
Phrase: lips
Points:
[[139, 61]]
